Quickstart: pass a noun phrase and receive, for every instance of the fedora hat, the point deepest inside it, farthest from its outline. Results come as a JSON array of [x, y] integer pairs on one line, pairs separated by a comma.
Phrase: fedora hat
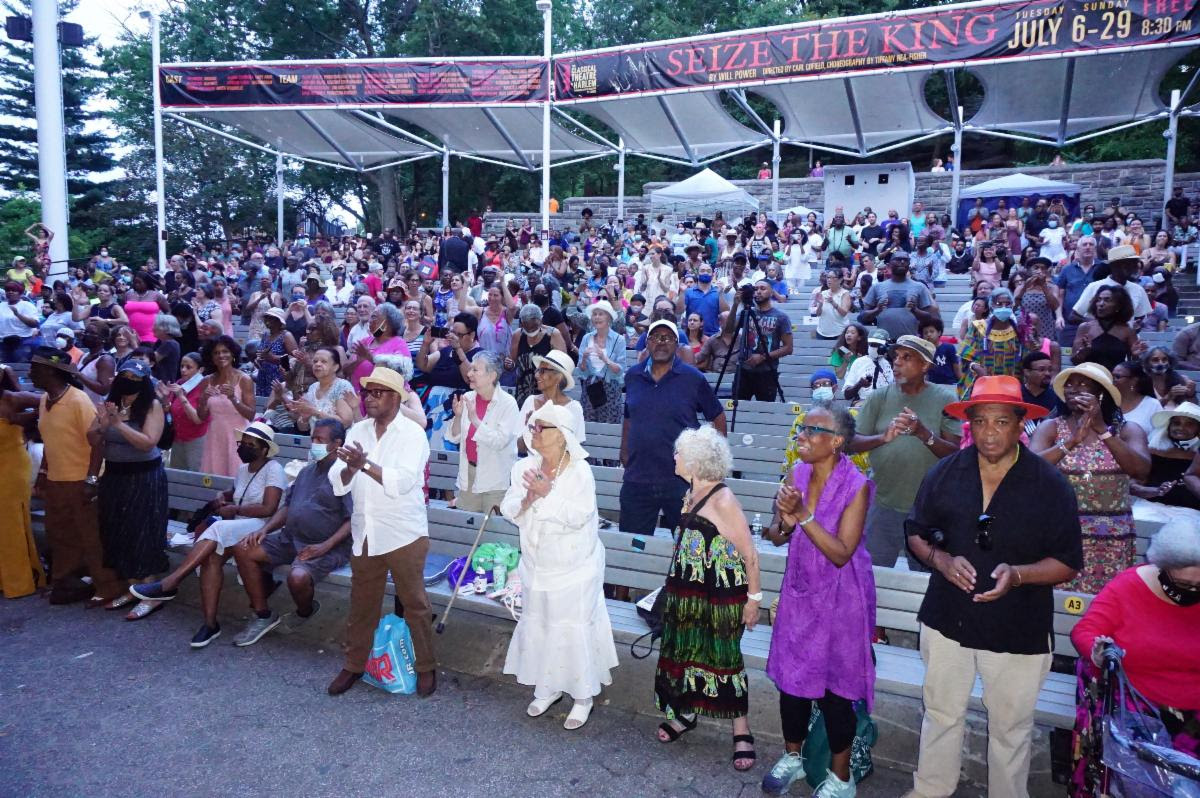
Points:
[[384, 377], [1123, 253], [1184, 410], [261, 431], [995, 391], [54, 358], [1093, 371], [560, 362]]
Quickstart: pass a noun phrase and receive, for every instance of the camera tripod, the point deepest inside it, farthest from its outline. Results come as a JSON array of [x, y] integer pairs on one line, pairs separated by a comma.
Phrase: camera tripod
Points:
[[741, 342]]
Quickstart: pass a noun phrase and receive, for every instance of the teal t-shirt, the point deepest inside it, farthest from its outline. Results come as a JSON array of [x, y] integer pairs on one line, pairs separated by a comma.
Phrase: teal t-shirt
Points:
[[899, 467]]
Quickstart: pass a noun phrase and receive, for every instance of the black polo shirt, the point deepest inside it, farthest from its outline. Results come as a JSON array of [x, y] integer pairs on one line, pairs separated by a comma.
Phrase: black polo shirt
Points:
[[1035, 517]]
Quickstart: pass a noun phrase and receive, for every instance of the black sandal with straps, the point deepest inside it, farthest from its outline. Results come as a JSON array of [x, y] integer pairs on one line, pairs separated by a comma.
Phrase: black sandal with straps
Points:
[[674, 734], [751, 754]]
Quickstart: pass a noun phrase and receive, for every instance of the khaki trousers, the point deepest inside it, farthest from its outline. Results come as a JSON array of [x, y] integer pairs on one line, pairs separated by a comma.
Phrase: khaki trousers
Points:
[[474, 502], [367, 583], [1011, 683], [73, 532]]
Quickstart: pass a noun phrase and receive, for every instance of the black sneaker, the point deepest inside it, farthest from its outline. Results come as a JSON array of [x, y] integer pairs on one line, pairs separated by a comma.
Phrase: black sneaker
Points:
[[206, 635]]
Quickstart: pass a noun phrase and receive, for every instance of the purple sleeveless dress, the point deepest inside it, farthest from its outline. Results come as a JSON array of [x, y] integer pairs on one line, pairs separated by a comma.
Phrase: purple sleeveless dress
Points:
[[821, 639]]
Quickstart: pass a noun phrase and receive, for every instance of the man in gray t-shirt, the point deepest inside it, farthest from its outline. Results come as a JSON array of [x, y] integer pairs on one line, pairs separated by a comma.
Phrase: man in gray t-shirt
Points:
[[898, 305]]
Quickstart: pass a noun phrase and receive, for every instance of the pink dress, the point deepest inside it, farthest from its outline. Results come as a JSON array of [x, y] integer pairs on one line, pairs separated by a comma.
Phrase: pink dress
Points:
[[141, 318], [394, 353], [221, 440]]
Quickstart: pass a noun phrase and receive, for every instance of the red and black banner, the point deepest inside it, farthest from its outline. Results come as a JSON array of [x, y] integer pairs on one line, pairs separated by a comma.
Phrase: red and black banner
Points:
[[887, 41], [351, 83]]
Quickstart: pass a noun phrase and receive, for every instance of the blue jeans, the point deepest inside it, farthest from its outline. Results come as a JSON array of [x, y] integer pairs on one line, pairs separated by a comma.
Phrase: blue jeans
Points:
[[14, 349], [641, 503]]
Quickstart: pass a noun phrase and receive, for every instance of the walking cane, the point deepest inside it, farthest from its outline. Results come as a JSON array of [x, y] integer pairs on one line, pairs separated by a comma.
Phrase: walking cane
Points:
[[441, 624]]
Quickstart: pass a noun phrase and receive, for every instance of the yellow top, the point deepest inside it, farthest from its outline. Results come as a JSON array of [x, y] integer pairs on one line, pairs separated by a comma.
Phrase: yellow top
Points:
[[64, 429]]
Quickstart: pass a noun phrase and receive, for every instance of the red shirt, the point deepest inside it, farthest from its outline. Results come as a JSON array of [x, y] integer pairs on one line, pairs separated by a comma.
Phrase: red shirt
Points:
[[475, 225], [1160, 639], [481, 406], [374, 286]]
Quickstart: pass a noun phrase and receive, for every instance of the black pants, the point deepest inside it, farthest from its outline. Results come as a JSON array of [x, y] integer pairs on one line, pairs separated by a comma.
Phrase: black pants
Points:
[[760, 385], [840, 720]]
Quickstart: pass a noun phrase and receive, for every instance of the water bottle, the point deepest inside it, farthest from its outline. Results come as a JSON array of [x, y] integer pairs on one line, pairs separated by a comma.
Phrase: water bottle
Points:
[[756, 528]]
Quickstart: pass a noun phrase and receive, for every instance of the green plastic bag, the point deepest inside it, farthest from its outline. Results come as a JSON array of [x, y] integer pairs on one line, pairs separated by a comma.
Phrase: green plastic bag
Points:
[[487, 555], [816, 751]]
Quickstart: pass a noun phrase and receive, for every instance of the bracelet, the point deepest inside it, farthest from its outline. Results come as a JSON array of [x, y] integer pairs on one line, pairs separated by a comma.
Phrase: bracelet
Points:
[[1064, 449], [1017, 571], [804, 521], [754, 596], [1107, 434]]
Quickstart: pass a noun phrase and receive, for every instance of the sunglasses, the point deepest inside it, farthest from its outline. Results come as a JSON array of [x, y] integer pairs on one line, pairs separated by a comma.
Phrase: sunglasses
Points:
[[984, 527], [377, 393], [546, 370], [536, 427]]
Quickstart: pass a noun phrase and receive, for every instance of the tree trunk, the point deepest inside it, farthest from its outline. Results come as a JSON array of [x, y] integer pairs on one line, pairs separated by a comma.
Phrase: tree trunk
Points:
[[390, 203]]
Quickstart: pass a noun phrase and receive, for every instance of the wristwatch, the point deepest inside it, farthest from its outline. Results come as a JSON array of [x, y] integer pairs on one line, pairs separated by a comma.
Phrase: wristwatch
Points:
[[754, 596], [92, 480], [931, 439]]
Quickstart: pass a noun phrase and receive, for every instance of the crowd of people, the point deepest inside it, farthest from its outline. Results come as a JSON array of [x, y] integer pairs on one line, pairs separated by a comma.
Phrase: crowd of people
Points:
[[922, 443]]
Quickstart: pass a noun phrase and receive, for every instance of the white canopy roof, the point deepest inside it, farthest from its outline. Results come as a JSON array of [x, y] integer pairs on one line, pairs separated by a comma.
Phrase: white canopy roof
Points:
[[703, 191], [1018, 185]]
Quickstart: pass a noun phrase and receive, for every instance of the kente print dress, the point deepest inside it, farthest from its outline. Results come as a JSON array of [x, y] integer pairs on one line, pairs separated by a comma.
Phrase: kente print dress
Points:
[[1102, 491], [700, 668]]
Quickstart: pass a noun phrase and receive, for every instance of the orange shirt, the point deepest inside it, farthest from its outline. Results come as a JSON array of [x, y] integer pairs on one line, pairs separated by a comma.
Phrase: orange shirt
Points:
[[64, 429]]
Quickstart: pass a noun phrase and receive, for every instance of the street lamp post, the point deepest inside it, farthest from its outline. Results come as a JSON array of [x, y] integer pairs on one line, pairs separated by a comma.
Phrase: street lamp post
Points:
[[546, 7], [159, 189], [51, 140]]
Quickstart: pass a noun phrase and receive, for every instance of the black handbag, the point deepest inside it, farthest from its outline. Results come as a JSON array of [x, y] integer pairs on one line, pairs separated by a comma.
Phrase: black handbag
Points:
[[596, 394]]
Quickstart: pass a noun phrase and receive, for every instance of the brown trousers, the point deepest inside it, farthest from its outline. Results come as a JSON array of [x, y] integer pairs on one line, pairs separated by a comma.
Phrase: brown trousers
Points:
[[73, 531], [367, 583]]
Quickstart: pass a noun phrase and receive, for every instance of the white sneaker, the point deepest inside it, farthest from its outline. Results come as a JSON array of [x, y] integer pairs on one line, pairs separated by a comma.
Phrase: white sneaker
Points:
[[833, 787]]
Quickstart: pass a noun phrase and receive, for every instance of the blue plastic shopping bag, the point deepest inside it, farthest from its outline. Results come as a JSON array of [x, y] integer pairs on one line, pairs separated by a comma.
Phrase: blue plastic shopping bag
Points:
[[392, 665]]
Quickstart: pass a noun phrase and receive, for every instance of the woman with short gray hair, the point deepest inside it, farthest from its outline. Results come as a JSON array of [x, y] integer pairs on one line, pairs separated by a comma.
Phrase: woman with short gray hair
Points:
[[1148, 615], [486, 426], [533, 340], [166, 347], [712, 594]]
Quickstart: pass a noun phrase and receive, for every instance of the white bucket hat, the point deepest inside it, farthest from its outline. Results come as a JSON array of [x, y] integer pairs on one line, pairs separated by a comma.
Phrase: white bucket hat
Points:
[[553, 415]]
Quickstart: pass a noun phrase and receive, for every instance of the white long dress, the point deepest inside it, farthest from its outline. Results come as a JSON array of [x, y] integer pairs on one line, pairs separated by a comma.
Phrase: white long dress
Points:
[[564, 641]]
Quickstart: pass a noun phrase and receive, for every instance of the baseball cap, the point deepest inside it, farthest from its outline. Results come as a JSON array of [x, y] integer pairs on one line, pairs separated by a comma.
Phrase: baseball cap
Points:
[[919, 345], [662, 323]]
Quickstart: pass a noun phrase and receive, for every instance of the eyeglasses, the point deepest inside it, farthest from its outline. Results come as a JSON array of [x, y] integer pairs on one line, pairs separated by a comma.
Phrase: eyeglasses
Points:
[[536, 427], [377, 393], [546, 370], [984, 538], [810, 429]]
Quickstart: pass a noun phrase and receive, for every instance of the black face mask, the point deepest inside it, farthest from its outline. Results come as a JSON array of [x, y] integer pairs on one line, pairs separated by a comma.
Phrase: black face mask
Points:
[[122, 386], [247, 452], [1183, 596]]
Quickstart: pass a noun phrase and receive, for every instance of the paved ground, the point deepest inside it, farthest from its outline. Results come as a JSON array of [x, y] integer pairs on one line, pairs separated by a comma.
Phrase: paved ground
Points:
[[91, 705]]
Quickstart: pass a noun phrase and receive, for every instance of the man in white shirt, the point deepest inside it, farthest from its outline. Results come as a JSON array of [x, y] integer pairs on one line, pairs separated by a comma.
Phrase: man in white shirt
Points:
[[1123, 261], [365, 306], [680, 240], [866, 374], [382, 465]]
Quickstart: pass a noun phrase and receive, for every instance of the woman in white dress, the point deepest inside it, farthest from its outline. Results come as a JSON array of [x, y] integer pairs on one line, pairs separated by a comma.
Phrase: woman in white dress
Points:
[[799, 269], [553, 375], [563, 642]]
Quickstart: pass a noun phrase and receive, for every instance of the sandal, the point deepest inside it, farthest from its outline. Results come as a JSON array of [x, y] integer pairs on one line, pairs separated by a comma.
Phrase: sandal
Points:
[[144, 609], [674, 734], [750, 755], [123, 600]]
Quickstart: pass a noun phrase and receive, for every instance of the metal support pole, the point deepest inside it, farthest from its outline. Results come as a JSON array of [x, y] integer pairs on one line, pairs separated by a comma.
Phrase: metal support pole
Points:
[[159, 178], [279, 199], [956, 174], [621, 180], [1172, 136], [446, 187], [547, 9], [51, 146], [776, 129]]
